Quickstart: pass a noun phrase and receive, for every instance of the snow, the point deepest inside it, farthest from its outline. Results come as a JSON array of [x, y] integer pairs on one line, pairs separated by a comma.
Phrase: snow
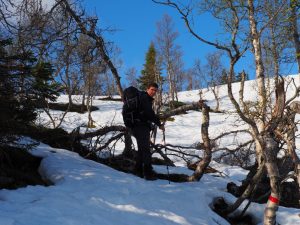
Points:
[[88, 193]]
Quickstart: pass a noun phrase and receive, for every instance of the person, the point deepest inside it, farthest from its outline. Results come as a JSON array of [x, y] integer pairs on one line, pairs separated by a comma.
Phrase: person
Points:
[[141, 131]]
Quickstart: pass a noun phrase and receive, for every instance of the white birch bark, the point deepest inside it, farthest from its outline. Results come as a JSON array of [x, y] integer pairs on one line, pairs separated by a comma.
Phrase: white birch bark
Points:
[[271, 150], [259, 67]]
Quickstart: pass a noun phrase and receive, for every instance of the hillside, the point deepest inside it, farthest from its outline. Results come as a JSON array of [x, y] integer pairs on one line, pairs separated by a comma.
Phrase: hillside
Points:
[[88, 193]]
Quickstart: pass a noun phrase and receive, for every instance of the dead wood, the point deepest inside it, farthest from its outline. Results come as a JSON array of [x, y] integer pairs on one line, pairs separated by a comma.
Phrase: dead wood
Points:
[[19, 168], [252, 185], [158, 149], [279, 107], [102, 131], [209, 169], [182, 109], [88, 27], [203, 164]]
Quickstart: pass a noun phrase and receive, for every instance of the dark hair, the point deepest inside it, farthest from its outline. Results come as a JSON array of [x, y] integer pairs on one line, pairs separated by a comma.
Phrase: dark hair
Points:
[[153, 84]]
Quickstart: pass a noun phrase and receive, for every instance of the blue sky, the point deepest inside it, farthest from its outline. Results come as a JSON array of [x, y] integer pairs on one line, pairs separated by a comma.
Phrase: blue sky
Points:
[[135, 21]]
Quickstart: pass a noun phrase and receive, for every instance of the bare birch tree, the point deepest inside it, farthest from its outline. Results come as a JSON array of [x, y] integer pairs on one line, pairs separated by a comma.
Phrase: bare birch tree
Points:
[[294, 23], [39, 31], [131, 76], [263, 126], [91, 66], [274, 42], [169, 53], [88, 26], [213, 71], [189, 78]]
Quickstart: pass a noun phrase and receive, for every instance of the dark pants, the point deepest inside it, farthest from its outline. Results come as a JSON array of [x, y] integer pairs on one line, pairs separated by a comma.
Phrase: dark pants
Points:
[[142, 136]]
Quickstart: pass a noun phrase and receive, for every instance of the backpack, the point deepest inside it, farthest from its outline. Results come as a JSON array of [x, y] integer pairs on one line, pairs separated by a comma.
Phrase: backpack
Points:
[[131, 108]]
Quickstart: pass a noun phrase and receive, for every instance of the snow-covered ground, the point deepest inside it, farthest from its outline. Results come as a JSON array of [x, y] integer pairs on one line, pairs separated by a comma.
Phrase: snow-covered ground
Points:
[[88, 193]]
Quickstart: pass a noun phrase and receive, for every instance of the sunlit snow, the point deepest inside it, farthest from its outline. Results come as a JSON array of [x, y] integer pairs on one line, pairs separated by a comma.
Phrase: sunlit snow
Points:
[[89, 193]]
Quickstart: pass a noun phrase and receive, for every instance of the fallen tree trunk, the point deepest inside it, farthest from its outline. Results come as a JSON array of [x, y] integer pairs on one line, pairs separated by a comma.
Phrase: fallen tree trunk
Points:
[[248, 191], [182, 109], [102, 131]]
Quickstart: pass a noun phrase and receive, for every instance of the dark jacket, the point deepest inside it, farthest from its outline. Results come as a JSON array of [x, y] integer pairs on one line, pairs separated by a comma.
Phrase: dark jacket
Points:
[[148, 116]]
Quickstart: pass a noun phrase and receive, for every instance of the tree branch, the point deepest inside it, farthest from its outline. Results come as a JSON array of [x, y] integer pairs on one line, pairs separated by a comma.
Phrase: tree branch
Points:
[[99, 41], [102, 131], [182, 109]]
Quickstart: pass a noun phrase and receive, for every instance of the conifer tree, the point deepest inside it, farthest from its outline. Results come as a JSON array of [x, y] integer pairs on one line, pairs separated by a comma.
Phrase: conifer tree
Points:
[[24, 82], [151, 72], [224, 77]]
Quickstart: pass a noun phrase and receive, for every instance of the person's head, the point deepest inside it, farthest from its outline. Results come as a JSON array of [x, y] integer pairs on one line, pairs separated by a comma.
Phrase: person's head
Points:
[[152, 89]]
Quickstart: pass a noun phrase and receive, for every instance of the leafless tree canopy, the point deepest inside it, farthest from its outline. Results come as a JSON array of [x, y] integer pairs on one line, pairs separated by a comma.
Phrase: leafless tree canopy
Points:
[[87, 64], [241, 35]]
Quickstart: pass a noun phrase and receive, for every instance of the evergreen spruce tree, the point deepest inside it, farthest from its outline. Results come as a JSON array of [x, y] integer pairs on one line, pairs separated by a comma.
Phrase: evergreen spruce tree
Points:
[[24, 82], [151, 72], [237, 77], [224, 78]]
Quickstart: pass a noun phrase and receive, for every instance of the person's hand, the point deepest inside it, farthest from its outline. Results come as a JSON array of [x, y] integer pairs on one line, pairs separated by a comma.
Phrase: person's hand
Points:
[[152, 126], [162, 127]]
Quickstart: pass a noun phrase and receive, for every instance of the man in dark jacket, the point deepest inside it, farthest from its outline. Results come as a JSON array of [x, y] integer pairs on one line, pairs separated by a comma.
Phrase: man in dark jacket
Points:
[[141, 131]]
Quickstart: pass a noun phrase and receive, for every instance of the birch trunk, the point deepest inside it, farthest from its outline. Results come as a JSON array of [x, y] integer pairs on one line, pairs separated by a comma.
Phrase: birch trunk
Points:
[[215, 91], [203, 164], [259, 67], [291, 141], [89, 102], [171, 87], [88, 105], [259, 151], [291, 149], [248, 191], [82, 102], [295, 31], [271, 150], [298, 176], [158, 101], [275, 55]]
